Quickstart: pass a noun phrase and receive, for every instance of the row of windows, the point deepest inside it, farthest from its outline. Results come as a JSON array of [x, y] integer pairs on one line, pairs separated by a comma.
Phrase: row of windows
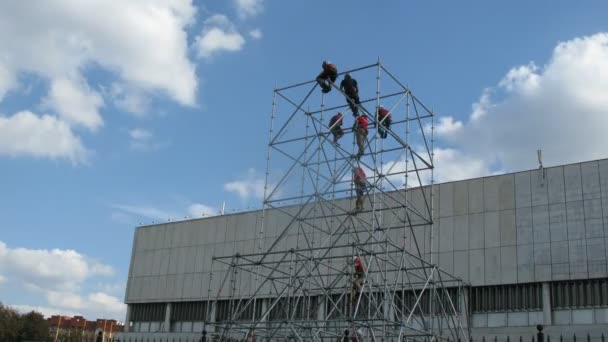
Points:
[[579, 293], [499, 298], [225, 309], [517, 297], [440, 300]]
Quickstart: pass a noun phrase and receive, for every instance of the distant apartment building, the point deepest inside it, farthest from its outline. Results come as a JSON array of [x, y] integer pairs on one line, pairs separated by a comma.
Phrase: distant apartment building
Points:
[[66, 327]]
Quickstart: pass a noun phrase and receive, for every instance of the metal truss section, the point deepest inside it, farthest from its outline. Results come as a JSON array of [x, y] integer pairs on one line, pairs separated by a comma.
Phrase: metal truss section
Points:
[[300, 284]]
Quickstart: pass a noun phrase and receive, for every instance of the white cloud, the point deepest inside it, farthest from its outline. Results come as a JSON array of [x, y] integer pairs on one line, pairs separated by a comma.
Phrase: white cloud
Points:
[[218, 34], [140, 134], [143, 140], [148, 212], [250, 186], [249, 8], [198, 210], [59, 276], [129, 99], [560, 108], [107, 303], [55, 269], [113, 288], [144, 49], [26, 133], [2, 279], [75, 102], [255, 34], [46, 311], [125, 213], [447, 126], [144, 44], [101, 303], [7, 81]]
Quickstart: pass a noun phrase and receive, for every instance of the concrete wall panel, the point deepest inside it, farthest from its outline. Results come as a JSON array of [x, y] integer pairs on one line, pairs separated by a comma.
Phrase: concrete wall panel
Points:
[[491, 229], [490, 193], [572, 178], [538, 185], [446, 234], [540, 223], [591, 180], [476, 231], [506, 192], [603, 174], [525, 263], [461, 198], [523, 191], [508, 230], [461, 265], [523, 222], [558, 227], [476, 201], [492, 266], [477, 267], [461, 233], [446, 199], [555, 184], [508, 266]]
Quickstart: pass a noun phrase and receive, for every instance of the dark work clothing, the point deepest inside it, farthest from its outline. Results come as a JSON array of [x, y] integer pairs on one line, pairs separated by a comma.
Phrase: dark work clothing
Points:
[[353, 103], [384, 117], [335, 126], [330, 72], [349, 85]]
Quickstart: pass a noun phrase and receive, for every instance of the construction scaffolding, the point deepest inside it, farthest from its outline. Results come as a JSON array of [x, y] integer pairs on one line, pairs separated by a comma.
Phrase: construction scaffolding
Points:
[[302, 283]]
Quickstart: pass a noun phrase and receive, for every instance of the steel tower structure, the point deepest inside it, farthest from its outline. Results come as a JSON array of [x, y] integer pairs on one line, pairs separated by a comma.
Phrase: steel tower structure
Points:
[[300, 284]]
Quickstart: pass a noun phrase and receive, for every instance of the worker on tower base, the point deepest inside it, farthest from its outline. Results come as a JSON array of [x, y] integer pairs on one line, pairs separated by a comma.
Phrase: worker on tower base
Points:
[[359, 179], [358, 277], [384, 121], [360, 129], [328, 76], [350, 88], [335, 127]]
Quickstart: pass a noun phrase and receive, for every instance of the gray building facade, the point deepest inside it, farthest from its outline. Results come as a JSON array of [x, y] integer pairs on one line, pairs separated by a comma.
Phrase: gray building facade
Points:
[[533, 245]]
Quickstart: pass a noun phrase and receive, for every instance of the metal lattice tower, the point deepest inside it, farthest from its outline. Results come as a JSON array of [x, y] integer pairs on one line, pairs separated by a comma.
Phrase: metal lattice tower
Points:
[[299, 284]]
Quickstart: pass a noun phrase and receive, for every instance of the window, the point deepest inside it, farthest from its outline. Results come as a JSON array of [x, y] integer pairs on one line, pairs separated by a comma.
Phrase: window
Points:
[[226, 309], [189, 311], [579, 293], [515, 297], [442, 301], [152, 312], [297, 308]]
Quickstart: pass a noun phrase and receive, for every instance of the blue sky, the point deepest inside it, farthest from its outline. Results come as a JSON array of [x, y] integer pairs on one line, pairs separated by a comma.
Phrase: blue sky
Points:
[[121, 112]]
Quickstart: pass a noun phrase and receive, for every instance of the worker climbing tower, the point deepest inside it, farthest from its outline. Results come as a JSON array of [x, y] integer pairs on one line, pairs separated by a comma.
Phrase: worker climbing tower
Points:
[[299, 282]]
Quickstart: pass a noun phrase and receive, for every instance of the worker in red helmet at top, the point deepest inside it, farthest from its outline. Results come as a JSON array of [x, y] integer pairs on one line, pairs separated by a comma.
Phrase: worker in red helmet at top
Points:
[[335, 127], [384, 121], [328, 76]]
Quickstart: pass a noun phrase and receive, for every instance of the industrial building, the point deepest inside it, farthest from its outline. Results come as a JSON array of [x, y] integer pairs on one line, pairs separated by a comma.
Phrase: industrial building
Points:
[[532, 245]]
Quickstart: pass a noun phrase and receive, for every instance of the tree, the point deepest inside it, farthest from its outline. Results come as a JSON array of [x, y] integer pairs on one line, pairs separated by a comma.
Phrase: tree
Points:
[[10, 324], [34, 327], [15, 327]]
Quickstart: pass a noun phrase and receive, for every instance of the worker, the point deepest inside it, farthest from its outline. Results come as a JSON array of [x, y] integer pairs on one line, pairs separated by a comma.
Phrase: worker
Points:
[[358, 277], [360, 129], [350, 88], [360, 185], [335, 127], [329, 73], [384, 121]]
